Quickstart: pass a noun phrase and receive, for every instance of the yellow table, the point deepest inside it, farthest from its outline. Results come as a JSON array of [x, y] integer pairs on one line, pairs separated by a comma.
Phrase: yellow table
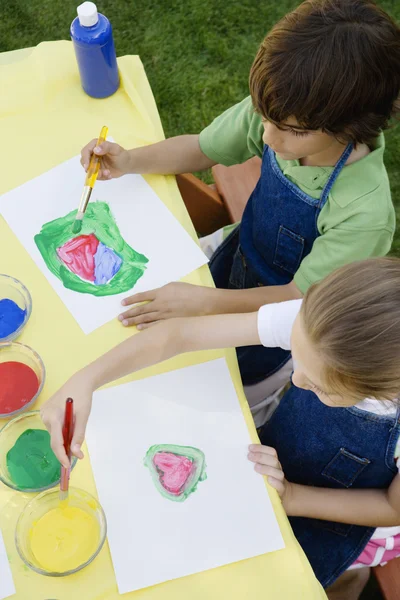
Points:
[[46, 118]]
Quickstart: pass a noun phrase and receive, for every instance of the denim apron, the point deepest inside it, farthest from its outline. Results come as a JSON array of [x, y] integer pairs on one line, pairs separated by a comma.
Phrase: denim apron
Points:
[[329, 447], [278, 229]]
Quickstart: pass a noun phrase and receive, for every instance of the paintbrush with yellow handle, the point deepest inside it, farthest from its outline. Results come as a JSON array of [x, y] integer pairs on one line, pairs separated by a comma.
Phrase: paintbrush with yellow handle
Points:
[[91, 177]]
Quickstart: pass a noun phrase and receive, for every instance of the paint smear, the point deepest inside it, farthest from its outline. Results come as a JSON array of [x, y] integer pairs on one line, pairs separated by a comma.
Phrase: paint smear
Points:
[[64, 539], [11, 317], [176, 470], [98, 261], [31, 462], [19, 384], [90, 259]]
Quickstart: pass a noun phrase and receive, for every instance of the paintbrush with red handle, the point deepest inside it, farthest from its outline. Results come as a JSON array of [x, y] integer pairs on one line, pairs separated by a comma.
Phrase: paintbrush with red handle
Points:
[[67, 431]]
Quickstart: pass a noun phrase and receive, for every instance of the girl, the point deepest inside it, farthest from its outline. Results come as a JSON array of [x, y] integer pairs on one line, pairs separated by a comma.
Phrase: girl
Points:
[[344, 337]]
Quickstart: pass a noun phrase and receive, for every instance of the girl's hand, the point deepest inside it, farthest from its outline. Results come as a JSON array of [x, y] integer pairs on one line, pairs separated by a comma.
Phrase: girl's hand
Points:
[[267, 463], [171, 300], [52, 413], [115, 160]]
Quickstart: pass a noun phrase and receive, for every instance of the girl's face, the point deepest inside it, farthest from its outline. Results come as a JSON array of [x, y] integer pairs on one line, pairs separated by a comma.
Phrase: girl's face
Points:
[[309, 368], [290, 141]]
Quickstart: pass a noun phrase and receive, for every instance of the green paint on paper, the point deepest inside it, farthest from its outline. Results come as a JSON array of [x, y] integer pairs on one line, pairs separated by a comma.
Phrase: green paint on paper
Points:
[[176, 470], [31, 462], [98, 221]]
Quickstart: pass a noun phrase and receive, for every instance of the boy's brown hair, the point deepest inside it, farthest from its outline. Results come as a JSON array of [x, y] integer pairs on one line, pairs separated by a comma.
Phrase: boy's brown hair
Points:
[[333, 65], [352, 318]]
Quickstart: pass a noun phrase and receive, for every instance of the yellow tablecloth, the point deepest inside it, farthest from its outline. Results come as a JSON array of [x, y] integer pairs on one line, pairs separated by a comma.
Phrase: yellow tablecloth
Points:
[[45, 119]]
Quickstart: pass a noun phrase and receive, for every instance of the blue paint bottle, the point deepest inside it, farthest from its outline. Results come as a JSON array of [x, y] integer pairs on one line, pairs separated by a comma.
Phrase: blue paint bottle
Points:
[[91, 34]]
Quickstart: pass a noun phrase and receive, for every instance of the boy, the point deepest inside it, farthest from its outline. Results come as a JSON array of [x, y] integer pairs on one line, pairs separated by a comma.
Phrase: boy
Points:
[[323, 85]]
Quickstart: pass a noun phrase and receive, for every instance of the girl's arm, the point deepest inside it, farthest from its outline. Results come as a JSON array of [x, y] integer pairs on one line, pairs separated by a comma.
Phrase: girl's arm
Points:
[[169, 338], [372, 508], [156, 344]]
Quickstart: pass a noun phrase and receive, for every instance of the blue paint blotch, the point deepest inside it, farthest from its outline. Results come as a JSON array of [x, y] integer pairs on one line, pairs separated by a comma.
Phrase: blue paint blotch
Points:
[[11, 317], [107, 264]]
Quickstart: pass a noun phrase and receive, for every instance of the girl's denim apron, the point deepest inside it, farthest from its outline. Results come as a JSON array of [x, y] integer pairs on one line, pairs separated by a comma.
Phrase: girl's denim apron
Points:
[[278, 229], [329, 447]]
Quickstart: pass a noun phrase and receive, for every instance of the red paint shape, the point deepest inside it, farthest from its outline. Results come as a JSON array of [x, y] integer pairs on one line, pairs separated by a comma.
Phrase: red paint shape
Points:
[[174, 471], [78, 255], [19, 383]]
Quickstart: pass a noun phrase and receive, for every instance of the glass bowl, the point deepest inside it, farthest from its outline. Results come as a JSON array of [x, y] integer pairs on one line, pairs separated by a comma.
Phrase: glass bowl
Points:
[[16, 352], [13, 289], [62, 541], [36, 470]]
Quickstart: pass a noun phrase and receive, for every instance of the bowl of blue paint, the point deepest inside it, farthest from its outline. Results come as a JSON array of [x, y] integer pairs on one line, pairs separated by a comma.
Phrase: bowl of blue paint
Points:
[[15, 307], [27, 462]]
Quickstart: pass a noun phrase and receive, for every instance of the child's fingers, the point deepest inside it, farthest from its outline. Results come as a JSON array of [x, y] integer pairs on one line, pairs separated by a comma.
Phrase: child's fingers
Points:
[[79, 434], [86, 153], [107, 148], [264, 459], [147, 318], [137, 311], [142, 297], [262, 449], [269, 471], [277, 484], [57, 444]]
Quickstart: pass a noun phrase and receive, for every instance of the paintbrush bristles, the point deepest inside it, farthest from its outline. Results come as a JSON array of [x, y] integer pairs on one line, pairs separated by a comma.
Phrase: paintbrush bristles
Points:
[[63, 495], [77, 226]]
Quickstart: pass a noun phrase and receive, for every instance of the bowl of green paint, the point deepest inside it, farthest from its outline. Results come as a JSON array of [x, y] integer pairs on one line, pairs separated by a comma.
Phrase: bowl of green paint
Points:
[[15, 307], [22, 376], [27, 462]]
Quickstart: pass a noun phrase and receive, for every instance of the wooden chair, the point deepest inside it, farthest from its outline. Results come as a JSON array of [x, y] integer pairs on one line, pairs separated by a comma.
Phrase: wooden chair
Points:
[[388, 578], [212, 207]]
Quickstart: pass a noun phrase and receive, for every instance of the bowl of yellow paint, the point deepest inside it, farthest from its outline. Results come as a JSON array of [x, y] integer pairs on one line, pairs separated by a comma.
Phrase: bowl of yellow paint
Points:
[[58, 539], [27, 462]]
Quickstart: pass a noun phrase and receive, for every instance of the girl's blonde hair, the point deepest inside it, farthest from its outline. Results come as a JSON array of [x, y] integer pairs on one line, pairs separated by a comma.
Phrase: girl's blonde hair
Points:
[[352, 317]]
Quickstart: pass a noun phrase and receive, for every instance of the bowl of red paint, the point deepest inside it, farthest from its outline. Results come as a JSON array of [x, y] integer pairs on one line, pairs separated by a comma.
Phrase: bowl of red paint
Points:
[[22, 375], [27, 462], [15, 307]]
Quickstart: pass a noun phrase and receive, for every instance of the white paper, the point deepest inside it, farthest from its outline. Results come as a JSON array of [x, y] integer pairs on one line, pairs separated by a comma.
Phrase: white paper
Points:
[[143, 220], [7, 587], [228, 518]]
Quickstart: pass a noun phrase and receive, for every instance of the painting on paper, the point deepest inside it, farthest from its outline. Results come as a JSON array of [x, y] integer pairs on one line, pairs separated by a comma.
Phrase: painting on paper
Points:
[[176, 470], [129, 243], [98, 261], [174, 479]]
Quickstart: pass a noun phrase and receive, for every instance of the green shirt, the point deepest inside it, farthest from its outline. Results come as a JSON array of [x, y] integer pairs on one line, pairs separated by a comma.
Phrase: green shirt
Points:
[[358, 219]]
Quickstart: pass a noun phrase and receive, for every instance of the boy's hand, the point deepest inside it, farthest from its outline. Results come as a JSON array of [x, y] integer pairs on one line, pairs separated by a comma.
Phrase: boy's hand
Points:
[[267, 463], [172, 300], [115, 160], [52, 413]]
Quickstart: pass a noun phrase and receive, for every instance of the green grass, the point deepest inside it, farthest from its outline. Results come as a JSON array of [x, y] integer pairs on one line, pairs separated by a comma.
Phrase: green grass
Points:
[[197, 53]]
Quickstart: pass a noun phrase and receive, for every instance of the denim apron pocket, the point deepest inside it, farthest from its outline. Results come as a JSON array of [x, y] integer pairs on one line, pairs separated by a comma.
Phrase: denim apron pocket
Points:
[[289, 250], [345, 467], [237, 277]]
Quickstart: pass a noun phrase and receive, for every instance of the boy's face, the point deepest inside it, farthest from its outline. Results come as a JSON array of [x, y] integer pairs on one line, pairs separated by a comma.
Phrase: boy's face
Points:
[[290, 141]]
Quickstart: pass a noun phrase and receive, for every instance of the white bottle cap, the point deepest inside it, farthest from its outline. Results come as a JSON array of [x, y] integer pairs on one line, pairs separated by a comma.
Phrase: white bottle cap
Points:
[[87, 14]]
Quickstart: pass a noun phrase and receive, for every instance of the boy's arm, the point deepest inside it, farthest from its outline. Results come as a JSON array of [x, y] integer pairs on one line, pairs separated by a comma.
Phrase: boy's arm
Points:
[[158, 343], [181, 154], [371, 508], [184, 299]]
